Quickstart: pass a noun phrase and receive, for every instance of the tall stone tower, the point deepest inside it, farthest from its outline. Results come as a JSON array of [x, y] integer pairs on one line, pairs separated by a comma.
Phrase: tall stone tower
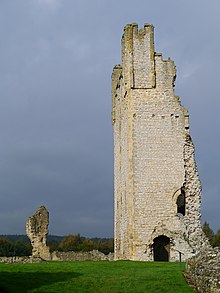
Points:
[[156, 183]]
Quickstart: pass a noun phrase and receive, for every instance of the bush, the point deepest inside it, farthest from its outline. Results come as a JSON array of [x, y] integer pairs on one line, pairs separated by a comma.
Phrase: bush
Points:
[[78, 243], [7, 248]]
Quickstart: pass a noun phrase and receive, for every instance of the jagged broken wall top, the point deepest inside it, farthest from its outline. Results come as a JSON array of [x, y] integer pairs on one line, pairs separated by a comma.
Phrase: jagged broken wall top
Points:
[[142, 67]]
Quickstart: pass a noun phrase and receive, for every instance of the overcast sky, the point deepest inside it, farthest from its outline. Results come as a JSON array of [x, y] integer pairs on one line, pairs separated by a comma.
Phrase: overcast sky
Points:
[[56, 60]]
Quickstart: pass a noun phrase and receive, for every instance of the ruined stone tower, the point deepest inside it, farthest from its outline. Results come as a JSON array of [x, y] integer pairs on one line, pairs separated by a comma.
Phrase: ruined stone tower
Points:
[[37, 230], [156, 183]]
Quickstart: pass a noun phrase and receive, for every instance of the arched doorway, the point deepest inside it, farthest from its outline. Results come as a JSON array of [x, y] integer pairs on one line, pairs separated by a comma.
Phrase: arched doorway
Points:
[[181, 203], [161, 248]]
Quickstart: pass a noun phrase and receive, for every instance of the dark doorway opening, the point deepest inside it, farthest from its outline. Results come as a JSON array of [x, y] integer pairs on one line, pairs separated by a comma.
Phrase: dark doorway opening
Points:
[[161, 248]]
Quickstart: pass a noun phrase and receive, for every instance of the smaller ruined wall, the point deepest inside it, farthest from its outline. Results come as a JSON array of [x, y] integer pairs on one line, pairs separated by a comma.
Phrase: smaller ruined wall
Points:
[[203, 270], [20, 259], [93, 255]]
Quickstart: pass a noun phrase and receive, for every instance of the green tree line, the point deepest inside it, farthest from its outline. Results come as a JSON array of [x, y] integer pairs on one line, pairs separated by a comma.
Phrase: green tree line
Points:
[[14, 248], [21, 246], [214, 239], [78, 243], [11, 246]]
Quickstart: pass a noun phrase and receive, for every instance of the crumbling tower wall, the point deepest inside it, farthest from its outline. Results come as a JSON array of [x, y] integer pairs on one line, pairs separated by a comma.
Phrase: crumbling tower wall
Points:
[[37, 230], [157, 191]]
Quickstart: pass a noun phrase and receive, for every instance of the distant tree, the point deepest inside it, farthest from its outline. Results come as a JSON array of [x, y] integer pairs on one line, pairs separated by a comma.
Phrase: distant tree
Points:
[[78, 243], [53, 245], [71, 243], [7, 247], [105, 246], [216, 239], [100, 246], [87, 245], [110, 245], [22, 248], [208, 232]]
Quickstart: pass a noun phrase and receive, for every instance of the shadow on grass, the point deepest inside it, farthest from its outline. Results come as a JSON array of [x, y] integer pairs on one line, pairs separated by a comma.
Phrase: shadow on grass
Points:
[[17, 282]]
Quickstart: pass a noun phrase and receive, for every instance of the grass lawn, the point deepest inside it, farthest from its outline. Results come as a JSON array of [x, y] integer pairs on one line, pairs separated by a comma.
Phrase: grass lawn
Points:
[[101, 276]]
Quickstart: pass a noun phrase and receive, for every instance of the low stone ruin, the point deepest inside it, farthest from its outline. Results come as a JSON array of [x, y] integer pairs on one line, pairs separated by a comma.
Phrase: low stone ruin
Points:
[[93, 255], [20, 260], [37, 230], [203, 270]]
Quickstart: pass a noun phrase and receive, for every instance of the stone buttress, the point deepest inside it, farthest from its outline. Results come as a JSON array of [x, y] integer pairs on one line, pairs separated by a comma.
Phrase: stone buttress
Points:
[[157, 191]]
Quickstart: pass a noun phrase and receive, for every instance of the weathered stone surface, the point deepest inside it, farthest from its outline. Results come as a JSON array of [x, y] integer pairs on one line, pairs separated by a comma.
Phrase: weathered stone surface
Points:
[[203, 270], [157, 189], [37, 230]]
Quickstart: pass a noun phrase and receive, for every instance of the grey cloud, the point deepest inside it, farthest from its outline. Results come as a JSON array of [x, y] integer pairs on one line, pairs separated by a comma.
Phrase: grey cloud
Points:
[[55, 103]]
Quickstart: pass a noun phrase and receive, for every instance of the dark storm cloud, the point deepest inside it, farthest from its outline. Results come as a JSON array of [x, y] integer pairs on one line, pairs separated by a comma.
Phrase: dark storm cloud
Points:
[[55, 103]]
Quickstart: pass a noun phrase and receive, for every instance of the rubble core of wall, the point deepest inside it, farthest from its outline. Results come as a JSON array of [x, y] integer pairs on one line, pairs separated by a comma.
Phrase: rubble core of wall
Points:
[[203, 270], [37, 230], [153, 155], [93, 255], [192, 188]]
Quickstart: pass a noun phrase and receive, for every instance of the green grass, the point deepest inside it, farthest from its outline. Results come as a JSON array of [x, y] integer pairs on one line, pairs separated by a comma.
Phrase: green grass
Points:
[[102, 276]]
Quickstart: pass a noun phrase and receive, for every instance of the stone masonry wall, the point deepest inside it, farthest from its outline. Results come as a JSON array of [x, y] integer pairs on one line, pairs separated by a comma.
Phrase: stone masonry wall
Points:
[[203, 270], [122, 165], [153, 155]]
